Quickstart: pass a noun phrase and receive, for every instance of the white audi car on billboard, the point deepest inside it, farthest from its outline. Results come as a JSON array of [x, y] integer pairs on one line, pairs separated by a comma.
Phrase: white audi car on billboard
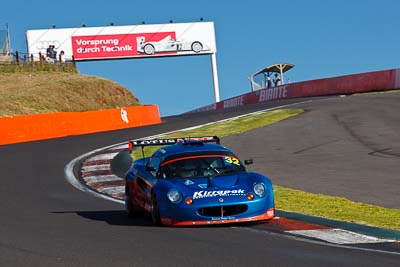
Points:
[[168, 44]]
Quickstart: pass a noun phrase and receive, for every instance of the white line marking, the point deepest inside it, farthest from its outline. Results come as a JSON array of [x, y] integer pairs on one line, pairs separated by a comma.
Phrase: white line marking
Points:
[[302, 239], [339, 236], [90, 168], [101, 178]]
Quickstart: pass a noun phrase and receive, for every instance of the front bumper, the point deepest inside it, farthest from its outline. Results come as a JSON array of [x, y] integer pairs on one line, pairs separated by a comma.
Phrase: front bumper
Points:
[[269, 214]]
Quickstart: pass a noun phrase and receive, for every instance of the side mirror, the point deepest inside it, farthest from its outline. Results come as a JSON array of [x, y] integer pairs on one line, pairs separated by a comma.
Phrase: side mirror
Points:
[[248, 162]]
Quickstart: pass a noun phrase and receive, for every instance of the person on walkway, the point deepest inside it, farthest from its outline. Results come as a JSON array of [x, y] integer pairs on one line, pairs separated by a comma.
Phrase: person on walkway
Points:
[[268, 83], [277, 79]]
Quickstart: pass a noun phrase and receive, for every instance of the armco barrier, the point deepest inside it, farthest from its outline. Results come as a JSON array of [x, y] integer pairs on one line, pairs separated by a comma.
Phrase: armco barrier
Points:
[[25, 128], [349, 84]]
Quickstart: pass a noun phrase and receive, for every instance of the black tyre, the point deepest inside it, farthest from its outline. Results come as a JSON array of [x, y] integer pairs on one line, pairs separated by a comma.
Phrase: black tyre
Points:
[[129, 207], [155, 211]]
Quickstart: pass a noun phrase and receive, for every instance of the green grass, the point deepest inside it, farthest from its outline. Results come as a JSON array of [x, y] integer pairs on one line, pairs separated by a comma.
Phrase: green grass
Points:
[[336, 208], [244, 124], [230, 127], [287, 199]]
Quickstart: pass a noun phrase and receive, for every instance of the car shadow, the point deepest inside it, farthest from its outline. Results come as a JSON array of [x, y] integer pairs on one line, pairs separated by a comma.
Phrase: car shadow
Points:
[[120, 218], [112, 217]]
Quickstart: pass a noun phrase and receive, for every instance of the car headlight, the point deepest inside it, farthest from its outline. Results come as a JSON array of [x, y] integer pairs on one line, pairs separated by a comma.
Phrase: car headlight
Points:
[[259, 189], [174, 196]]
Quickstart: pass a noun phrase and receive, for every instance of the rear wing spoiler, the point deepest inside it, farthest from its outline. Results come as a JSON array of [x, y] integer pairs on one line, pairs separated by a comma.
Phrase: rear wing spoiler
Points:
[[171, 141]]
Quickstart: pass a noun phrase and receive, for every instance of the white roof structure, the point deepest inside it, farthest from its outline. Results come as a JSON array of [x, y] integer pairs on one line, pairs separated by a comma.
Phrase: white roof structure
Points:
[[280, 68]]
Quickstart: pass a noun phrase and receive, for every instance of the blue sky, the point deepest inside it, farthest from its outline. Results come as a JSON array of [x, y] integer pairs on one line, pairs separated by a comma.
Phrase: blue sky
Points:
[[322, 38]]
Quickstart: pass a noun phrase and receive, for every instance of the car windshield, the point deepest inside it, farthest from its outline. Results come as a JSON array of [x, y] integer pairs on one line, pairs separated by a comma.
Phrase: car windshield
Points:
[[200, 166]]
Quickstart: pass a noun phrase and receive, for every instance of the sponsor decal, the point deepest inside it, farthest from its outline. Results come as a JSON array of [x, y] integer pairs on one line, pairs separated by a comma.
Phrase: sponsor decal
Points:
[[124, 115], [154, 142], [42, 45], [218, 193], [203, 186], [223, 218], [205, 108], [234, 102], [278, 92], [115, 45], [188, 182], [172, 141]]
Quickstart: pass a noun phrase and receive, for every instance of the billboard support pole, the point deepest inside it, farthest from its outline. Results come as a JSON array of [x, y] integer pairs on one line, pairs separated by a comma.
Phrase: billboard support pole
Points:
[[215, 76]]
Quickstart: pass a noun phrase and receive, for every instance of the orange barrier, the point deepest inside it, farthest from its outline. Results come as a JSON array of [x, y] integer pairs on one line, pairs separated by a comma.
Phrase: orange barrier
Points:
[[17, 129]]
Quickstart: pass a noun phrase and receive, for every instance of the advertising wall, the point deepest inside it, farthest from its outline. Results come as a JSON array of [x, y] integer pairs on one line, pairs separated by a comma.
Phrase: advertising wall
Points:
[[348, 84], [131, 41]]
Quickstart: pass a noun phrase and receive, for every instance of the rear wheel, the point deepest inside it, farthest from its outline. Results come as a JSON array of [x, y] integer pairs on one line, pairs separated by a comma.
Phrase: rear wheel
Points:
[[155, 211], [129, 207]]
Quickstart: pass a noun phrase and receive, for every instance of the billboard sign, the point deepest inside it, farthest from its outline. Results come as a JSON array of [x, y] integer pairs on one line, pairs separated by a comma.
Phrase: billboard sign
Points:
[[132, 41]]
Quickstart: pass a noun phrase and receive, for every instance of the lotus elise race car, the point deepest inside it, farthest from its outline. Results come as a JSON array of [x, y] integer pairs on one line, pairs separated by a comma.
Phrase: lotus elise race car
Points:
[[192, 181]]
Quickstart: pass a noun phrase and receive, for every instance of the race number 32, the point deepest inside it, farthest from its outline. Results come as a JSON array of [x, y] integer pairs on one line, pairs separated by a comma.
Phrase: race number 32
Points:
[[232, 160]]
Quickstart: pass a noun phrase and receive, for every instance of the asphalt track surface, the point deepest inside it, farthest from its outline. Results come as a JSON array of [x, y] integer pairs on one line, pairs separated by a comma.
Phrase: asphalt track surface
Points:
[[346, 146], [47, 222]]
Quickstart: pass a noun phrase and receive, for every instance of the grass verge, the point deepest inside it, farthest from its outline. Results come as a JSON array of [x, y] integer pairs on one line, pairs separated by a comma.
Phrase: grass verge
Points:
[[32, 67], [230, 127], [337, 208], [292, 200]]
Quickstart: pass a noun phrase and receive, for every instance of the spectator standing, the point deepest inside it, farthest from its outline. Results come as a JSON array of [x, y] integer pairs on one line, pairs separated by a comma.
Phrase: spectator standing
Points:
[[277, 79], [53, 53], [61, 57], [48, 53], [269, 83]]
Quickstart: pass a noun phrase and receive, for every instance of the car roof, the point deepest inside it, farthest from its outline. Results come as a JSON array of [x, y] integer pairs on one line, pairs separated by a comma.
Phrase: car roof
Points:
[[189, 147]]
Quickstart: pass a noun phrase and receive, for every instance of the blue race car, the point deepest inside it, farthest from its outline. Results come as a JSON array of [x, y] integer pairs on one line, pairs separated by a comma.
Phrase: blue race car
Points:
[[192, 181]]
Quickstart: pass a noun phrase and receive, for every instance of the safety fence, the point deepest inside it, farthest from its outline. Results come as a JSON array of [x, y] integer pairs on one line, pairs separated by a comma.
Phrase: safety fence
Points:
[[349, 84], [17, 129], [21, 58], [22, 62]]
